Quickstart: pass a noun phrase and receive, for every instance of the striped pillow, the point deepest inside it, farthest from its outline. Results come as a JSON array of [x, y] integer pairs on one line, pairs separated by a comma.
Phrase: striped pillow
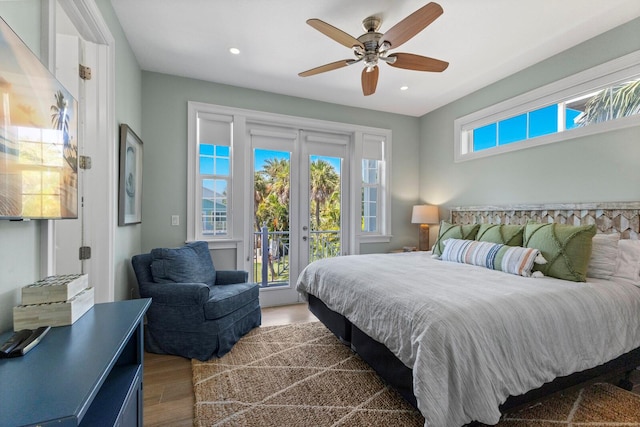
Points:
[[510, 259]]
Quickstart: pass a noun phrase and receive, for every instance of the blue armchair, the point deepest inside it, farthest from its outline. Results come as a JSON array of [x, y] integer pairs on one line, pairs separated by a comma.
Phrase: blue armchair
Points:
[[196, 311]]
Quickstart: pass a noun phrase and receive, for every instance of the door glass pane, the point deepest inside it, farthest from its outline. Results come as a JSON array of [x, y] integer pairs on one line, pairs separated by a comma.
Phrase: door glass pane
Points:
[[272, 182], [325, 203]]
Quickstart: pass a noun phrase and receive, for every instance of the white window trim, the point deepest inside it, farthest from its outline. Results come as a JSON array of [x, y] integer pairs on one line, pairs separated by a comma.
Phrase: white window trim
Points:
[[241, 163], [627, 66], [383, 235], [198, 188]]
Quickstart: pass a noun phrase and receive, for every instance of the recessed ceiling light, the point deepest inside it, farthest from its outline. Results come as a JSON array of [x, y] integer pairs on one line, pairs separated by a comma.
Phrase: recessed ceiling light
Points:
[[234, 50], [404, 87]]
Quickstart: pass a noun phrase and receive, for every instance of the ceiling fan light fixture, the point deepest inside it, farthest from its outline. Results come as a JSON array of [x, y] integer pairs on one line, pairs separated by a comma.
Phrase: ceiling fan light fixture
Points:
[[234, 50], [372, 46]]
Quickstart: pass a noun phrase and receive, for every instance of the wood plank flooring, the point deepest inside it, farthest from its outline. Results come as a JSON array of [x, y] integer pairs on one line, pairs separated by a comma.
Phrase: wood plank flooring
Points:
[[168, 392]]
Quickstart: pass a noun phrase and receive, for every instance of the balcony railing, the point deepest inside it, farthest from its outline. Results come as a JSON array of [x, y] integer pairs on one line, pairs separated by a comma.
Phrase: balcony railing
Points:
[[271, 253]]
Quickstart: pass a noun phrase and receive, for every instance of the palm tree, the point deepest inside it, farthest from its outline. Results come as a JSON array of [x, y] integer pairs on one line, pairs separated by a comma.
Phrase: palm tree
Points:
[[60, 121], [619, 101], [271, 188], [278, 173], [324, 182], [59, 117], [259, 194]]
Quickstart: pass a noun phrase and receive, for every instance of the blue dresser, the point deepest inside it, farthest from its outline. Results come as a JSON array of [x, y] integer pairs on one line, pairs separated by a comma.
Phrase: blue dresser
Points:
[[85, 374]]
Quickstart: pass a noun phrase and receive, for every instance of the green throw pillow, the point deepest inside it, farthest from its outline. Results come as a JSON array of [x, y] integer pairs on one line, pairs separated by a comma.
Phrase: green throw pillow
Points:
[[566, 248], [450, 231], [510, 235]]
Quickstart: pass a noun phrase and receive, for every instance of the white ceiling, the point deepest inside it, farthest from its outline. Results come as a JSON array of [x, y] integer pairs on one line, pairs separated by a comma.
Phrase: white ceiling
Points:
[[483, 40]]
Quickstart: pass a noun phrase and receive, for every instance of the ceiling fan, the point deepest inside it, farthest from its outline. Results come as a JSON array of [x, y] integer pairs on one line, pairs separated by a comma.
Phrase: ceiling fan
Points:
[[373, 46]]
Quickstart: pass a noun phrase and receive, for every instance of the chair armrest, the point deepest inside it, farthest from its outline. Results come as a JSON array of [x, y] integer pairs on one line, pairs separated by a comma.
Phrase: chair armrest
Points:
[[175, 293], [229, 277]]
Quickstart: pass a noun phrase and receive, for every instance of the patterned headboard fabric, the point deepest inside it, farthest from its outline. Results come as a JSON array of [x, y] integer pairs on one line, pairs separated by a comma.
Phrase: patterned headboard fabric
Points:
[[622, 217]]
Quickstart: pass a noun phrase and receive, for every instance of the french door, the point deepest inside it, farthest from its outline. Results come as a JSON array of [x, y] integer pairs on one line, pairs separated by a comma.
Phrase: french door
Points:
[[300, 194]]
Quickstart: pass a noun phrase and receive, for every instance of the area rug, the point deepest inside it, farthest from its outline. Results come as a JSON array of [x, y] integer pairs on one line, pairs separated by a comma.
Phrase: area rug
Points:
[[301, 375]]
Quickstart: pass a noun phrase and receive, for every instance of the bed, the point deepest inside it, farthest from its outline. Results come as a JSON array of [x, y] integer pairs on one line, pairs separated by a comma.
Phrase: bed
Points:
[[464, 342]]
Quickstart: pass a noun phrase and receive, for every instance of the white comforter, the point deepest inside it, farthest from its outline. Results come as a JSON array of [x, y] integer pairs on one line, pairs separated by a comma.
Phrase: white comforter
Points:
[[474, 336]]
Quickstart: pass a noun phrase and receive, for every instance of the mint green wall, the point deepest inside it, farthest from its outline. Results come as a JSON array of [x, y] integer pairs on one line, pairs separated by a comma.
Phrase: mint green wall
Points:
[[128, 91], [602, 167], [164, 120], [19, 241]]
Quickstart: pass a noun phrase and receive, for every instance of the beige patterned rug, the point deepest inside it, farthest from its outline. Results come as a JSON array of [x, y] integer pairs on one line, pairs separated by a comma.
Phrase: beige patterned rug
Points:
[[301, 375]]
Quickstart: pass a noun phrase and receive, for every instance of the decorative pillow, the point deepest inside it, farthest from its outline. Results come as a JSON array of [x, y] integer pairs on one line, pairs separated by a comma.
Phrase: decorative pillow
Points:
[[510, 235], [496, 256], [604, 256], [566, 248], [628, 266], [190, 263], [450, 231]]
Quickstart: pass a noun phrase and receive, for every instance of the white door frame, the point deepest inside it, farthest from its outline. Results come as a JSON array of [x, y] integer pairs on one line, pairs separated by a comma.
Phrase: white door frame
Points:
[[301, 144], [284, 140], [88, 20], [325, 145]]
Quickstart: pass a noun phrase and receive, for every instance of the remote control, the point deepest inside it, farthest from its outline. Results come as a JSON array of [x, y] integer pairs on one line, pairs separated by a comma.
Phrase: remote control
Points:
[[14, 341], [29, 343]]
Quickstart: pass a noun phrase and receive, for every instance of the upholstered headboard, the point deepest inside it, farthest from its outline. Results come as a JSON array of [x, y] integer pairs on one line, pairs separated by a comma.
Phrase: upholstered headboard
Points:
[[620, 217]]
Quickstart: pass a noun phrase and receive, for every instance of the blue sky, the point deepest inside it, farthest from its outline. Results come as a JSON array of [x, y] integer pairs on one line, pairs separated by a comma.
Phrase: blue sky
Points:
[[261, 156], [541, 122]]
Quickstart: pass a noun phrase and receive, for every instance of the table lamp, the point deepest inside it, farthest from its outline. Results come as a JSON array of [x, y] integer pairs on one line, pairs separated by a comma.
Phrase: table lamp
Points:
[[424, 215]]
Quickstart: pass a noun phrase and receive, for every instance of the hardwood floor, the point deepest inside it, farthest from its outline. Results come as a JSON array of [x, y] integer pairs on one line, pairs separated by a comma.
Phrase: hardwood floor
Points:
[[168, 392]]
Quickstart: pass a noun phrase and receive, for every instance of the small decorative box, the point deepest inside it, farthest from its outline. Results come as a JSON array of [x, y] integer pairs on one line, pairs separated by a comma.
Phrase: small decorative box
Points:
[[54, 313], [54, 289]]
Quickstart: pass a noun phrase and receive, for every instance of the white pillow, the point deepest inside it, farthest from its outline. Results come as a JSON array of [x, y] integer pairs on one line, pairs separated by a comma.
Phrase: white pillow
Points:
[[628, 267], [604, 256]]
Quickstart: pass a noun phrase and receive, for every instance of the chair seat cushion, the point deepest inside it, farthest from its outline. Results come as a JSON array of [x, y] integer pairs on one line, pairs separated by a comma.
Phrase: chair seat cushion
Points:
[[190, 263], [225, 299]]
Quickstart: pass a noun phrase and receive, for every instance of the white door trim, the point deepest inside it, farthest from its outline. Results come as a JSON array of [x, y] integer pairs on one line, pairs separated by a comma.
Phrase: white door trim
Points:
[[86, 17]]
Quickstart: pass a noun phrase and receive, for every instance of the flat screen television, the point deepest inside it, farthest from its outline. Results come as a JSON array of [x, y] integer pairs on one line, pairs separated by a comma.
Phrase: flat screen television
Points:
[[38, 137]]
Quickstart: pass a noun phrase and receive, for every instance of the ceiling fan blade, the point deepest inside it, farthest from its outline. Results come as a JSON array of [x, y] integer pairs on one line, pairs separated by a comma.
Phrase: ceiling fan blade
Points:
[[335, 33], [369, 81], [412, 25], [417, 62], [326, 67]]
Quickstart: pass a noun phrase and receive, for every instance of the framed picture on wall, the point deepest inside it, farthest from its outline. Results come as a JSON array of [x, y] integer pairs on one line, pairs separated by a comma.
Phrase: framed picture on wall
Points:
[[130, 192]]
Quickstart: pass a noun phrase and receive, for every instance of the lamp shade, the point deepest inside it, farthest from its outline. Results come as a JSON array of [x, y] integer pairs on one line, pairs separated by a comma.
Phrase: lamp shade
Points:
[[425, 214]]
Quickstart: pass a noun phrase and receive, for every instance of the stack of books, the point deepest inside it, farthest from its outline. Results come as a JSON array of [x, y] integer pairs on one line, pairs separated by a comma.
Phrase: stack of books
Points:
[[53, 301]]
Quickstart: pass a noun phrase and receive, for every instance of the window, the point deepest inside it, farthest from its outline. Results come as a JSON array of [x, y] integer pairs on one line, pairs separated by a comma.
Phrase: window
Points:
[[370, 184], [373, 213], [219, 193], [214, 175], [603, 98], [40, 184]]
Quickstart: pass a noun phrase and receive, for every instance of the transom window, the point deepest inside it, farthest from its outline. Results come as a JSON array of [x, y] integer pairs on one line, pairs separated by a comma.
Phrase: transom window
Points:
[[603, 98]]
